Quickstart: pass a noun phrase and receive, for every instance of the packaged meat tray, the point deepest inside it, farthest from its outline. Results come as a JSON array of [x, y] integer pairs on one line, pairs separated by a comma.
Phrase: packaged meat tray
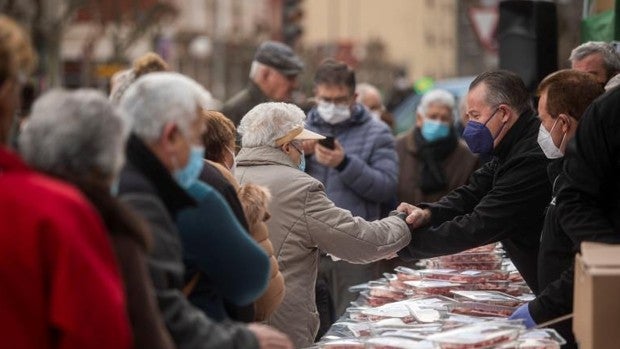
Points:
[[532, 344], [476, 336], [390, 292], [493, 285], [405, 274], [472, 257], [481, 309], [453, 275], [489, 297], [485, 248], [423, 310], [397, 343], [443, 264], [343, 344], [433, 287], [374, 301]]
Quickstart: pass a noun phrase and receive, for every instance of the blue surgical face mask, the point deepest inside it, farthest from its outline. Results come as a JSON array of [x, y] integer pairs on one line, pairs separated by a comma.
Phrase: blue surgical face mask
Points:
[[478, 136], [433, 130], [302, 163], [114, 186], [189, 174]]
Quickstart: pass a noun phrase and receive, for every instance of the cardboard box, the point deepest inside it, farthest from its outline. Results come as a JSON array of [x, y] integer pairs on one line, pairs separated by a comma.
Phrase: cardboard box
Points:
[[596, 304]]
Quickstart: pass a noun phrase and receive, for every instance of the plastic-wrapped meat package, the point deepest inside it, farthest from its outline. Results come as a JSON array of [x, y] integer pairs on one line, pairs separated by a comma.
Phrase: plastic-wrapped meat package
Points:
[[481, 309], [421, 310], [438, 274], [471, 277], [388, 292], [374, 301], [397, 343], [477, 336], [494, 285], [531, 344], [463, 265], [515, 276], [343, 344], [489, 297], [433, 287], [406, 274], [498, 274], [472, 257]]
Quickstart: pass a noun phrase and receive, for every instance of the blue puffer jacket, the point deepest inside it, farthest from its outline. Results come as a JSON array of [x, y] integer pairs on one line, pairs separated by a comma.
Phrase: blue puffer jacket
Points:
[[371, 175]]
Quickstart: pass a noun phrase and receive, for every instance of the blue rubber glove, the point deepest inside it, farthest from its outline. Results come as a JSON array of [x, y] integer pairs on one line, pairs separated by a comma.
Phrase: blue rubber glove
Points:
[[523, 313]]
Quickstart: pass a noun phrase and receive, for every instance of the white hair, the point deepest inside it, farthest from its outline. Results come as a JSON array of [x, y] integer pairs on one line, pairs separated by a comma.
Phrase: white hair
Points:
[[156, 99], [606, 50], [75, 133], [267, 122], [438, 96], [363, 88]]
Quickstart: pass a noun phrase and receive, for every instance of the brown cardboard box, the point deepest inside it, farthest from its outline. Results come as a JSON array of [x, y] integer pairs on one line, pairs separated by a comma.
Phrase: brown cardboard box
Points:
[[596, 305]]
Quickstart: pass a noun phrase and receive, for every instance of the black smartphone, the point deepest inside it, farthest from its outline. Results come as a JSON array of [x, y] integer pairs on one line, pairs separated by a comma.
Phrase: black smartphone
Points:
[[328, 142]]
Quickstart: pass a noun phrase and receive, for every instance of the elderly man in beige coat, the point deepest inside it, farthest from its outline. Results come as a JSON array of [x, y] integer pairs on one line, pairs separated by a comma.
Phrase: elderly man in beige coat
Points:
[[303, 219]]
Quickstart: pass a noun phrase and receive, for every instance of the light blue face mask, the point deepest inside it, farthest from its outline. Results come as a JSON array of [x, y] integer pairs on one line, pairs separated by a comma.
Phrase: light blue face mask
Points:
[[302, 163], [189, 174], [114, 186], [433, 130]]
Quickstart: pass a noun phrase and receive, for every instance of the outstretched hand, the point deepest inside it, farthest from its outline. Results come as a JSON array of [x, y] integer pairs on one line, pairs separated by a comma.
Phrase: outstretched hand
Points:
[[416, 217]]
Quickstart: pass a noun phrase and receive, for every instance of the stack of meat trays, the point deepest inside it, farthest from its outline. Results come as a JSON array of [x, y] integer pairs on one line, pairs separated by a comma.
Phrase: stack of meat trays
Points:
[[476, 336], [536, 339], [487, 257]]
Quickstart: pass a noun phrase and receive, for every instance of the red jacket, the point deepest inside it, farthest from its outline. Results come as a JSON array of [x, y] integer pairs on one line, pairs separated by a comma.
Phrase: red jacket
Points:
[[59, 283]]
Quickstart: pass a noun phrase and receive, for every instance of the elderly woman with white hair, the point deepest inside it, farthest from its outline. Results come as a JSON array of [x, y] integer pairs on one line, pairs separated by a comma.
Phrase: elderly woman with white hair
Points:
[[303, 220], [78, 137], [432, 159]]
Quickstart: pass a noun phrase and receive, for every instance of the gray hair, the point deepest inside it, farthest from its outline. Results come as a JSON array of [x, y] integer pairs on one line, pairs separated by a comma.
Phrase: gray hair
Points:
[[504, 87], [438, 96], [156, 99], [606, 50], [364, 88], [77, 133], [267, 122]]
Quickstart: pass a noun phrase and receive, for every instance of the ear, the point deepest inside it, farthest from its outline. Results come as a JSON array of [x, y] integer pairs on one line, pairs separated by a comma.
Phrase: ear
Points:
[[418, 120], [170, 135], [507, 113], [567, 122], [286, 147]]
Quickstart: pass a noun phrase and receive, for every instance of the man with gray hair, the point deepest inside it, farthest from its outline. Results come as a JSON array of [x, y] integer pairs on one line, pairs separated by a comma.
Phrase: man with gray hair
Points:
[[164, 158], [273, 76], [504, 200], [597, 58], [303, 219]]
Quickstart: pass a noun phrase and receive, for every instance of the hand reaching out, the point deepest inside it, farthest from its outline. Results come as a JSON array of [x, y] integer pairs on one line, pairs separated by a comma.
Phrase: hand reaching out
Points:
[[416, 217]]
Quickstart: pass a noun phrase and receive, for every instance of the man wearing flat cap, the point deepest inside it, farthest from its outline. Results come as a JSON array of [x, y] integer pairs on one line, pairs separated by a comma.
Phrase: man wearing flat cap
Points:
[[273, 76]]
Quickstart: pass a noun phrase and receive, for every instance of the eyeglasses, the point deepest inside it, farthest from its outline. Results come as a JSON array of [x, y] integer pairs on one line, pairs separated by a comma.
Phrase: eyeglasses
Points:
[[297, 147]]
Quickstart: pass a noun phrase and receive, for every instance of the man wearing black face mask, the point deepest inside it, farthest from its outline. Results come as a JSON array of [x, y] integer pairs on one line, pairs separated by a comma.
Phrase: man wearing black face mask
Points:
[[505, 199]]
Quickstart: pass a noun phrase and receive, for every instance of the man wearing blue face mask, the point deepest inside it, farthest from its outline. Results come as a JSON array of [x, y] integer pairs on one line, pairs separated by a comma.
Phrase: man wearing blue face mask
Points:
[[506, 198], [360, 172], [432, 159]]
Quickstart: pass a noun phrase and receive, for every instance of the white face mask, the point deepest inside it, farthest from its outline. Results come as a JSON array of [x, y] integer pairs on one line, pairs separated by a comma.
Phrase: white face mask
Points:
[[333, 113], [546, 142], [376, 115]]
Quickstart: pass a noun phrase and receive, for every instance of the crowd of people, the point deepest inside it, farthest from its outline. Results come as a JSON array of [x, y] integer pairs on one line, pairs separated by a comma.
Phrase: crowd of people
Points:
[[147, 219]]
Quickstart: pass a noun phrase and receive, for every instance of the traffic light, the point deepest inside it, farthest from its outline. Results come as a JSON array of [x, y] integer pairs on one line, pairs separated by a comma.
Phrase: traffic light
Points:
[[292, 14]]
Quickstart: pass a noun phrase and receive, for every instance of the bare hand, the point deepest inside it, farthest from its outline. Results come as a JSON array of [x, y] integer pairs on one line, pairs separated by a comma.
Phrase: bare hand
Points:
[[391, 256], [328, 157], [269, 337], [416, 217], [308, 146]]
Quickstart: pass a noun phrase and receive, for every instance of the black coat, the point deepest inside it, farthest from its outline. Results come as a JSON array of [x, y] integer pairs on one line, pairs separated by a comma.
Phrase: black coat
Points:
[[504, 201], [241, 103], [587, 205], [148, 188]]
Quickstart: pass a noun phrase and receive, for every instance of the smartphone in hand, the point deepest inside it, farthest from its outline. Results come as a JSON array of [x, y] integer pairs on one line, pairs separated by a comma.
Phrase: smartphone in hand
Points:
[[328, 142]]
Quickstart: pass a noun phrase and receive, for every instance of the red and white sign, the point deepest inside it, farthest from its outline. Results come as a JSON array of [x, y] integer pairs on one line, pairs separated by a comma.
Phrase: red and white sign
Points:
[[485, 20]]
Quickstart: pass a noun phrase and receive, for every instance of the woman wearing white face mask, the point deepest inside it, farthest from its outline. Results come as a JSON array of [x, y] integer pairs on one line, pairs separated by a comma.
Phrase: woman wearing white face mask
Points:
[[564, 96]]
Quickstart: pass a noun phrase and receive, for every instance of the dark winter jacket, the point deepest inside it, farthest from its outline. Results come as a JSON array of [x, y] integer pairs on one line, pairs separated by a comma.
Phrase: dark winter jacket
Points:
[[504, 201], [241, 103], [147, 186], [371, 172]]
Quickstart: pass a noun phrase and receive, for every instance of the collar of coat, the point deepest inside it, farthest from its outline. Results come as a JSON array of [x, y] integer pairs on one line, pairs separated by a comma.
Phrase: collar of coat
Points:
[[142, 160], [516, 133], [263, 155]]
